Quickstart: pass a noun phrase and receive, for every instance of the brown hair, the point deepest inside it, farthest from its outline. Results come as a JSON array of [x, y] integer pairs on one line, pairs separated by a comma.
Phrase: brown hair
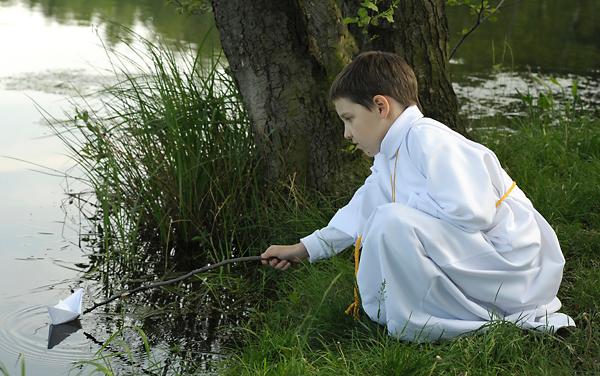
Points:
[[376, 73]]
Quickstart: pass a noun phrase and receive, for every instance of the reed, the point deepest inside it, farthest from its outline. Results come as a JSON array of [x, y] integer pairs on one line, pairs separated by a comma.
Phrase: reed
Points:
[[168, 155]]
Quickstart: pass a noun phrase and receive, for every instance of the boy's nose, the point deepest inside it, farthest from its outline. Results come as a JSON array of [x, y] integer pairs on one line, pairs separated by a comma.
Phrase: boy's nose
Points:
[[347, 134]]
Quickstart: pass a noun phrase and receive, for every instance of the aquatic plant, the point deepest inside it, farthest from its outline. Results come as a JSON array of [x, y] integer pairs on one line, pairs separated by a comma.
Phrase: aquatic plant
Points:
[[21, 361], [168, 157]]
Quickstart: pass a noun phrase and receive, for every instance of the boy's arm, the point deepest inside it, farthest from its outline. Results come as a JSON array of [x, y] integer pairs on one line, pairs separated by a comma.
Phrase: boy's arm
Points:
[[459, 187], [342, 230], [326, 242]]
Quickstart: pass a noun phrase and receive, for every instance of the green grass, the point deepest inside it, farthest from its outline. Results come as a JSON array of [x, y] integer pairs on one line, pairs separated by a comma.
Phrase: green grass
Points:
[[22, 368]]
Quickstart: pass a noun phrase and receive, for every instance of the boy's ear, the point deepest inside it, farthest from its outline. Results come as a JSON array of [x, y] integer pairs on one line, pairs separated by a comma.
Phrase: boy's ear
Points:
[[382, 105]]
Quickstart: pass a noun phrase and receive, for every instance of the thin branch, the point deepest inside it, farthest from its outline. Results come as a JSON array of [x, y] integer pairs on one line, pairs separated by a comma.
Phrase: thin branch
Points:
[[478, 22], [206, 268]]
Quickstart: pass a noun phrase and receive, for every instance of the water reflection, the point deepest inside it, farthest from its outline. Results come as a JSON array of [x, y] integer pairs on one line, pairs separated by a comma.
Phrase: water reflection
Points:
[[58, 333], [530, 44], [53, 49], [26, 330], [155, 15], [552, 36], [487, 95]]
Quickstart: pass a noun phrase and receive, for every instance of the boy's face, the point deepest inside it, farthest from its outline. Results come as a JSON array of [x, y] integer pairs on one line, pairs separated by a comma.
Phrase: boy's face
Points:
[[365, 128]]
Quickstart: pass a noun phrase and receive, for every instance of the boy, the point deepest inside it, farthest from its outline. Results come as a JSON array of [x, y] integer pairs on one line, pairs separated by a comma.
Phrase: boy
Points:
[[449, 242]]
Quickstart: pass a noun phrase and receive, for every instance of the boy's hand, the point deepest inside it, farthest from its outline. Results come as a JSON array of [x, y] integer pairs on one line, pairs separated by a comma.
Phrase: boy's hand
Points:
[[281, 257]]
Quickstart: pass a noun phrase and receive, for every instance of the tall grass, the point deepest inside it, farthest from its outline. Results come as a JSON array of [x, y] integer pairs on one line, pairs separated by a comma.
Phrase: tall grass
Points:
[[169, 161], [22, 368], [169, 157]]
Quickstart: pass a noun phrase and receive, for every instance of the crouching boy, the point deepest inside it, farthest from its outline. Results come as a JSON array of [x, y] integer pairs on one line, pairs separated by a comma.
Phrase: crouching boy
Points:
[[449, 241]]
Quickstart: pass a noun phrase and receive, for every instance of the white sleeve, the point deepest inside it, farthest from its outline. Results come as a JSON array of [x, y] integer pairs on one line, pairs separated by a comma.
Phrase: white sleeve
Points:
[[459, 187], [326, 242], [342, 230]]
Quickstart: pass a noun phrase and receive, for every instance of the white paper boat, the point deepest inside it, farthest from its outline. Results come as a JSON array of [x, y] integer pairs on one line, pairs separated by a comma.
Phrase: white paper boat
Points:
[[68, 309]]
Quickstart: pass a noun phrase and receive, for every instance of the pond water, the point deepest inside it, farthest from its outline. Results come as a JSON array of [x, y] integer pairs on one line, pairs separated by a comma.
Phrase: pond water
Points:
[[530, 43], [53, 50]]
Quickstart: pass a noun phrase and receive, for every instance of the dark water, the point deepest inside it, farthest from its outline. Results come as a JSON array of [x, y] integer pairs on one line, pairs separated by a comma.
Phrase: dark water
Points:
[[50, 50], [530, 43]]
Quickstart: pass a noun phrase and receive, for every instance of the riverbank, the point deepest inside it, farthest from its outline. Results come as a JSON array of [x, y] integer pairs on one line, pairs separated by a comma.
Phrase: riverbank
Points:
[[196, 193], [174, 173], [174, 210], [252, 320]]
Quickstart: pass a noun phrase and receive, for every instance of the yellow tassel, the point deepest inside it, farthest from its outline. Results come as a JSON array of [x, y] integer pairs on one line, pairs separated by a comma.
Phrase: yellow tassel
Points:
[[354, 307], [505, 195]]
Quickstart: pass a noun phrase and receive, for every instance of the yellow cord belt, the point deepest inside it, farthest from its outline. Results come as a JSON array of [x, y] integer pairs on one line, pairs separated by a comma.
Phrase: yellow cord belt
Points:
[[354, 307]]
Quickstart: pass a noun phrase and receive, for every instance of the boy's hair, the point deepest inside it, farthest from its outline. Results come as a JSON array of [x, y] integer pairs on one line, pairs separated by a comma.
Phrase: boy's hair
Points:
[[376, 73]]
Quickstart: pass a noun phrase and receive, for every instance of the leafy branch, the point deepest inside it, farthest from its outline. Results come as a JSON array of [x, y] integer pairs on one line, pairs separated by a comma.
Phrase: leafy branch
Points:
[[483, 10], [369, 14]]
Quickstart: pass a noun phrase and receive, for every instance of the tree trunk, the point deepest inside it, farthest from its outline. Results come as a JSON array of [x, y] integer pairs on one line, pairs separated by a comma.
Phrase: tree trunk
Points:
[[284, 55]]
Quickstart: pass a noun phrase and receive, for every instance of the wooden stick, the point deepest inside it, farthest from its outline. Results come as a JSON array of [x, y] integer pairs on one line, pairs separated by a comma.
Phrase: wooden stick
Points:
[[171, 281]]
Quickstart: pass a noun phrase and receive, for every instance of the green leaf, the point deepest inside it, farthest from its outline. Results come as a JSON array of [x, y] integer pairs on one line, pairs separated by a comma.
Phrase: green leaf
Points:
[[21, 359], [350, 20], [4, 370], [369, 5], [350, 148], [388, 15], [294, 297]]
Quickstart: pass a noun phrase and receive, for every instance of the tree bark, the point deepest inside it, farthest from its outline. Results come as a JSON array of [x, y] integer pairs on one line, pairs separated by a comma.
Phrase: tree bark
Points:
[[284, 55]]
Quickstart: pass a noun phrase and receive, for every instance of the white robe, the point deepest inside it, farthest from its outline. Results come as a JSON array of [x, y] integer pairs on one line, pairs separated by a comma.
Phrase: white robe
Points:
[[443, 260]]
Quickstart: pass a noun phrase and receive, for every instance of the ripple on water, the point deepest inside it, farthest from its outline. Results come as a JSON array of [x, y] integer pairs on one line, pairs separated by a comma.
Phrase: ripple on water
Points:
[[26, 331]]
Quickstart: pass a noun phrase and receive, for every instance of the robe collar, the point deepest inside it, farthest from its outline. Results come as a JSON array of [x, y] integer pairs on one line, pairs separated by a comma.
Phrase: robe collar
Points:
[[394, 136]]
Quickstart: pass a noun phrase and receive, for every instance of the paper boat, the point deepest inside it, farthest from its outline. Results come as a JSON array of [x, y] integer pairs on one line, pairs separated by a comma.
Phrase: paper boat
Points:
[[66, 310]]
